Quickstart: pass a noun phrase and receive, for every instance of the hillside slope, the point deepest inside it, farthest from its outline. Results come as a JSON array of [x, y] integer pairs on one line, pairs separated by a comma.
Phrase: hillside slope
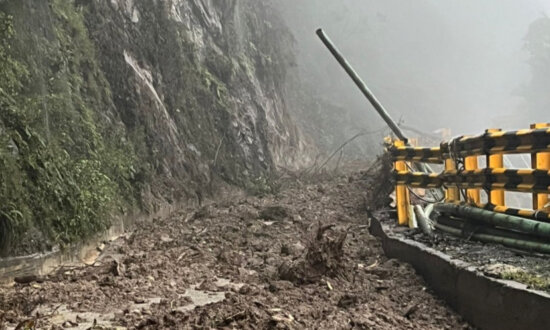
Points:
[[107, 107]]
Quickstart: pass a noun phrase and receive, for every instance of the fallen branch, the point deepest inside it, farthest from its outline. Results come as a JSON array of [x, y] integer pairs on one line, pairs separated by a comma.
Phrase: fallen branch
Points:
[[315, 168]]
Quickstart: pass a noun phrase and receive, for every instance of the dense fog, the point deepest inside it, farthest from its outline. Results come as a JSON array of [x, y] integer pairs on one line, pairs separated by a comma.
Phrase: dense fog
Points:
[[463, 65]]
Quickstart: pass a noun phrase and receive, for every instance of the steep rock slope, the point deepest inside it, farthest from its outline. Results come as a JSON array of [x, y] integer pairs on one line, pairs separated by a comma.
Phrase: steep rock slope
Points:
[[110, 106]]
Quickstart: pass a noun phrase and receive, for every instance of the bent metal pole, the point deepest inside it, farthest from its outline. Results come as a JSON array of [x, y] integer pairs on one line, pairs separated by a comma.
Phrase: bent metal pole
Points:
[[361, 84], [368, 94]]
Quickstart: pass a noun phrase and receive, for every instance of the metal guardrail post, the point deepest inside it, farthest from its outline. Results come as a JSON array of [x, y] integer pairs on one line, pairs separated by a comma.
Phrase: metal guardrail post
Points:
[[540, 161], [452, 194], [496, 196], [401, 192], [473, 195]]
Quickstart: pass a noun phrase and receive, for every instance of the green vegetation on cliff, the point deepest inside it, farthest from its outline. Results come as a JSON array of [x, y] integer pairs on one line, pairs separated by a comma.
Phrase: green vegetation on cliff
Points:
[[115, 106], [62, 166]]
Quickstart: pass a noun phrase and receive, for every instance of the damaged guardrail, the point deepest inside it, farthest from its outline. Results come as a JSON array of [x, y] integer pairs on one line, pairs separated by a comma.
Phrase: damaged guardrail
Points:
[[526, 180], [376, 104], [463, 182]]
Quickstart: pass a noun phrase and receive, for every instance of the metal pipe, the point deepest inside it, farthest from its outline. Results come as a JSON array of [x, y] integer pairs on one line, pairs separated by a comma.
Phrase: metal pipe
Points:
[[428, 210], [424, 223], [368, 94], [361, 84], [436, 193], [468, 229], [528, 226], [513, 243]]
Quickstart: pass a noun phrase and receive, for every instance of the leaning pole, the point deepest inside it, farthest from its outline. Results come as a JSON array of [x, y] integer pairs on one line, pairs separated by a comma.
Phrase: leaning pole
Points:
[[361, 84], [367, 93]]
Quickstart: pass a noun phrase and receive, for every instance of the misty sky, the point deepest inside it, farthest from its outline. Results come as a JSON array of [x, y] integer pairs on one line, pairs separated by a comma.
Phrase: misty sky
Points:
[[433, 63]]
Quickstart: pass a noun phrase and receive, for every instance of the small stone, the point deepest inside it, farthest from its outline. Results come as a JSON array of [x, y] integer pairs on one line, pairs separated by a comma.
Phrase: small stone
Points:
[[245, 289], [101, 247]]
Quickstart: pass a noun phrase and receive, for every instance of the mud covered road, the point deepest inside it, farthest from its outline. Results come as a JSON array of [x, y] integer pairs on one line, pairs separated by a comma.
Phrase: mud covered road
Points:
[[300, 259]]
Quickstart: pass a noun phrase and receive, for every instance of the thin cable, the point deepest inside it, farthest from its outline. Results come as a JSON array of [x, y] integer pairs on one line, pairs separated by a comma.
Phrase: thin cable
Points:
[[360, 134]]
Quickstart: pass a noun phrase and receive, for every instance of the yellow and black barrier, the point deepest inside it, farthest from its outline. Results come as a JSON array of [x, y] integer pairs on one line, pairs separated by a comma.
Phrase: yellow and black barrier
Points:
[[527, 180], [496, 142], [426, 155], [418, 179], [461, 159]]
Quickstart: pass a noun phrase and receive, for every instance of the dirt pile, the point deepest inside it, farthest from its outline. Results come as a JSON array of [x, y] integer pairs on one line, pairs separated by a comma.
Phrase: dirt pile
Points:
[[225, 266], [323, 257]]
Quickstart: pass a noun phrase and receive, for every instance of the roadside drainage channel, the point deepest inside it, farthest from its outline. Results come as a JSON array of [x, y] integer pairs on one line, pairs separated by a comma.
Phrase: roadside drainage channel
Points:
[[41, 264], [487, 303], [77, 255]]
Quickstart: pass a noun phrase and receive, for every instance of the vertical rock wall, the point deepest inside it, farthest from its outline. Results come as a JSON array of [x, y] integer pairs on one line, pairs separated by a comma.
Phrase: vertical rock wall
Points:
[[135, 104]]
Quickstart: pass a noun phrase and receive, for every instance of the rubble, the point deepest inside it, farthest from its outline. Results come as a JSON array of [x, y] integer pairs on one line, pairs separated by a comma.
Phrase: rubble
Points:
[[317, 268]]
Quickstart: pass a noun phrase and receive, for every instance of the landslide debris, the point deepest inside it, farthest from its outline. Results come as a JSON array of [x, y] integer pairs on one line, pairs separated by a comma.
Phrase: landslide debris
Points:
[[228, 268], [323, 257]]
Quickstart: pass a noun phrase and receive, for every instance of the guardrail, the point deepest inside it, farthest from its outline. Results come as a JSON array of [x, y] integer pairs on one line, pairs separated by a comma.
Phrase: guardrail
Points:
[[463, 180]]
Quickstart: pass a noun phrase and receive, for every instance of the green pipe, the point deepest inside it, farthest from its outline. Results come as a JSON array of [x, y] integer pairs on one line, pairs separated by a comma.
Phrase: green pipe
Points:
[[469, 228], [509, 242], [528, 226]]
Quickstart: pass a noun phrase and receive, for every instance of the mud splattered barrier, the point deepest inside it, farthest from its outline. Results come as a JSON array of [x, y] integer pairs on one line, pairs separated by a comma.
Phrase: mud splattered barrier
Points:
[[486, 302]]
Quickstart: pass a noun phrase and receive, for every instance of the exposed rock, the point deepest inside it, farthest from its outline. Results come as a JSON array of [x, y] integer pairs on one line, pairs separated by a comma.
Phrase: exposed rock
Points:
[[141, 103], [276, 213]]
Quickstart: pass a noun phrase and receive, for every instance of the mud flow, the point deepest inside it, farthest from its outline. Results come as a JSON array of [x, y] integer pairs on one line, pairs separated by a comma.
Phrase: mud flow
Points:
[[300, 259]]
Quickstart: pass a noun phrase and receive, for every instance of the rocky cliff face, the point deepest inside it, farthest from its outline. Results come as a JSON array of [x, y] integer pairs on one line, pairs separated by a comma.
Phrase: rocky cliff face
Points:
[[126, 104], [208, 74]]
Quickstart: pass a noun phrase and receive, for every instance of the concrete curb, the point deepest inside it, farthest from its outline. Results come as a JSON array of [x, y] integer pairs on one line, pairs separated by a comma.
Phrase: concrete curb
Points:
[[40, 264], [485, 302]]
